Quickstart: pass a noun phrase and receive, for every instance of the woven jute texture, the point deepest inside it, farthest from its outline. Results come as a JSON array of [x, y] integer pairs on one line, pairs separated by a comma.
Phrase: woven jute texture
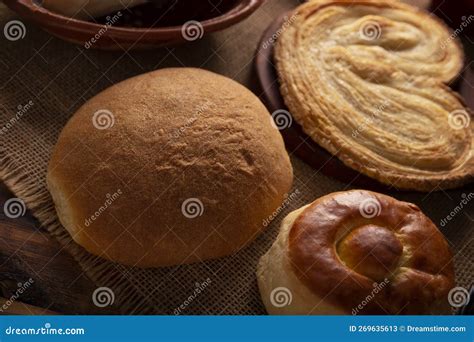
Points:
[[47, 80]]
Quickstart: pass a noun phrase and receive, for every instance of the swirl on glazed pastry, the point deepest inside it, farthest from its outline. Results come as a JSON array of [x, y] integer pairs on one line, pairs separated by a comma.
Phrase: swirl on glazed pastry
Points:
[[344, 243], [365, 81]]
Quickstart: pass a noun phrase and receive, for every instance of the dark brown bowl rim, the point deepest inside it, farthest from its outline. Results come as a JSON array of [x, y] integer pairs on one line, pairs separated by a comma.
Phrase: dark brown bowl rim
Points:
[[241, 10]]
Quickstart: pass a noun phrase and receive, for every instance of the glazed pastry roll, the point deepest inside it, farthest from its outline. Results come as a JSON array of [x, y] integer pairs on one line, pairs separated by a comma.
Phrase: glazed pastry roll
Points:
[[365, 79], [88, 9], [357, 252]]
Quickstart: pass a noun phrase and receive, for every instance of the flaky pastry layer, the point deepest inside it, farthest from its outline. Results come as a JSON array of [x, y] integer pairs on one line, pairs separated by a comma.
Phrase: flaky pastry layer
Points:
[[365, 81]]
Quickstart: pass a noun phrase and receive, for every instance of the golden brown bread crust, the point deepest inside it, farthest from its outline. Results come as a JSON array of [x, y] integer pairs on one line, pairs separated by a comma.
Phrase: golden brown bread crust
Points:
[[344, 243], [364, 79], [177, 134]]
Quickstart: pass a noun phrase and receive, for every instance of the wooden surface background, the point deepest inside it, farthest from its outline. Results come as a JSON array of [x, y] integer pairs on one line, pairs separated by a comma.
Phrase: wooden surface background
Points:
[[27, 251]]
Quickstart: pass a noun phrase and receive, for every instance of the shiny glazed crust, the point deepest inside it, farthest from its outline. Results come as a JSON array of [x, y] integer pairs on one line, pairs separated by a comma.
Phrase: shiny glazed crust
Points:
[[346, 246], [365, 81], [196, 161]]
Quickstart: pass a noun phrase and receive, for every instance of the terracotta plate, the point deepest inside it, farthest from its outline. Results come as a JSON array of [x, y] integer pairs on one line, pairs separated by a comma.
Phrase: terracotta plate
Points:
[[142, 27]]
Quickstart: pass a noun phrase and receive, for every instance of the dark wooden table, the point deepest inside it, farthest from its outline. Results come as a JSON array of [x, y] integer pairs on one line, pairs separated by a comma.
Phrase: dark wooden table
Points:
[[27, 251]]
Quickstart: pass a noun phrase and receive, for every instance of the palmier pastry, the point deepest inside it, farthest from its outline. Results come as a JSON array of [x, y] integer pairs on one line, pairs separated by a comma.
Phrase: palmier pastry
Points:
[[365, 81], [357, 252]]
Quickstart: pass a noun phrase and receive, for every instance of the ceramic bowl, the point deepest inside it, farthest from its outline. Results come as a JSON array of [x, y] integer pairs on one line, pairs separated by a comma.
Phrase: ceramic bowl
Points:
[[141, 27]]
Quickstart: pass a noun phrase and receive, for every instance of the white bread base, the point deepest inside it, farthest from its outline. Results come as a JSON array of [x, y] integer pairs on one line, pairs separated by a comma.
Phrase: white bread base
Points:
[[274, 271]]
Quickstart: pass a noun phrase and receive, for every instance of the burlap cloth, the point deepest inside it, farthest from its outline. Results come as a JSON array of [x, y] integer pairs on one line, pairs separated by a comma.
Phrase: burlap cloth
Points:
[[59, 77]]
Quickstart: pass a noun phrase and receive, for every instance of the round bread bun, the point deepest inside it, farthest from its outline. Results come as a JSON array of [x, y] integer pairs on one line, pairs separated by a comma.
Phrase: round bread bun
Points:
[[357, 252], [171, 167]]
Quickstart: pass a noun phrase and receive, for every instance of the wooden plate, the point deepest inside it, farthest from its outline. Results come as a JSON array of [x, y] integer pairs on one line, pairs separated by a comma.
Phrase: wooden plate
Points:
[[141, 27], [296, 140]]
